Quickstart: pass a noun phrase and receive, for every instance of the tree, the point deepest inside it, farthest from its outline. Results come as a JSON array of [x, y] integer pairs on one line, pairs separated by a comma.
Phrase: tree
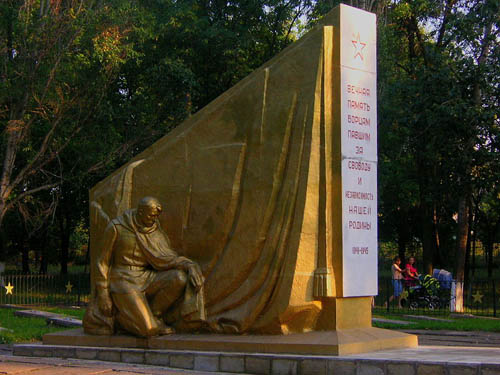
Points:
[[57, 60], [86, 85], [476, 27], [439, 96]]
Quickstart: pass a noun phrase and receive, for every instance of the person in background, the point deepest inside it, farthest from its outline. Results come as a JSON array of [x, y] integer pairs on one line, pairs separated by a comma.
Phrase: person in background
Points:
[[411, 274], [397, 281]]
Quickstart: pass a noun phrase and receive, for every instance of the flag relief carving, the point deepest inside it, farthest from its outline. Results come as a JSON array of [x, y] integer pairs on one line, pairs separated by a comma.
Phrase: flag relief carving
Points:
[[358, 94]]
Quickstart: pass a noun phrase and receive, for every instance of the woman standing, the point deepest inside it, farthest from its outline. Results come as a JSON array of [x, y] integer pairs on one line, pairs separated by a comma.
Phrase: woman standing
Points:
[[411, 273]]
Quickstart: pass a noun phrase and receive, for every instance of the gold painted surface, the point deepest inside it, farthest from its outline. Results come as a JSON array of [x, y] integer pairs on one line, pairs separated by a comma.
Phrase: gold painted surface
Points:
[[340, 342], [353, 312], [78, 337], [241, 188], [141, 283], [251, 189]]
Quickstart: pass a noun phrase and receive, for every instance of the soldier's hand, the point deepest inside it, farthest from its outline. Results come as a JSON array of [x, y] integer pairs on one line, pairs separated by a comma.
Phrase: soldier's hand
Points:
[[195, 276], [104, 303]]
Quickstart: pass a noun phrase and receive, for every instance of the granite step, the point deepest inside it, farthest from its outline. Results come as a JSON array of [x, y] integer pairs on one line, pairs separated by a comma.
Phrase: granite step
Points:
[[422, 360]]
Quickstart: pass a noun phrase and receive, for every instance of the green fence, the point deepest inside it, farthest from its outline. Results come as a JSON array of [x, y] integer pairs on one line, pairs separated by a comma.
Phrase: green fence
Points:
[[44, 290], [481, 297]]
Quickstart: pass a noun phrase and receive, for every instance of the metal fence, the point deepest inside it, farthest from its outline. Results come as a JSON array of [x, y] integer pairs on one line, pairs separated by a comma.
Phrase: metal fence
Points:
[[480, 297], [68, 290]]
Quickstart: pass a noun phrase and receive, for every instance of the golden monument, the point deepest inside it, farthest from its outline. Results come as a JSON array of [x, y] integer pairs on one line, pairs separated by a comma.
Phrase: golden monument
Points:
[[140, 274], [271, 190]]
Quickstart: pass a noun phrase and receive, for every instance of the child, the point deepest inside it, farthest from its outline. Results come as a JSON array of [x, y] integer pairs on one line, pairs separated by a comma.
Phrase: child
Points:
[[397, 280]]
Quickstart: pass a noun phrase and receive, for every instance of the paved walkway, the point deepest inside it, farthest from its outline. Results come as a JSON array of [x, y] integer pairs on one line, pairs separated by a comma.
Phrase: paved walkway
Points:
[[456, 338], [422, 360], [438, 354], [11, 365]]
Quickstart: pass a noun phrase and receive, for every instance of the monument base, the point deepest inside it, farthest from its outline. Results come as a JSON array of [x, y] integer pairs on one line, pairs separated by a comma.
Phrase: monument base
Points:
[[421, 360], [340, 342]]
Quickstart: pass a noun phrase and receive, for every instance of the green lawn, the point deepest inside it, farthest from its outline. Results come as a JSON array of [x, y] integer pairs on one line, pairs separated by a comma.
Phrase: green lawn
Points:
[[456, 324], [22, 329], [31, 329], [74, 313]]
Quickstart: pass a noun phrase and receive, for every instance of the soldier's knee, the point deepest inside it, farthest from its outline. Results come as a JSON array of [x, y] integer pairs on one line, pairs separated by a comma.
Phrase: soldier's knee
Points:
[[180, 278]]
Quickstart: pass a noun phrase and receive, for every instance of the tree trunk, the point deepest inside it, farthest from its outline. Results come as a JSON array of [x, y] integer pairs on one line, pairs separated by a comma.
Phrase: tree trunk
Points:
[[428, 236], [3, 247], [468, 246], [426, 214], [65, 233], [43, 253], [473, 232], [437, 258], [44, 262], [64, 253], [87, 256], [463, 230], [25, 256], [489, 252], [473, 261], [403, 234]]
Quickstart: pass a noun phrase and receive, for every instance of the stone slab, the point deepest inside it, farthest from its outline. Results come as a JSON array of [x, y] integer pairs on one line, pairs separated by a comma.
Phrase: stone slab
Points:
[[472, 316], [64, 321], [208, 362], [456, 338], [431, 318], [422, 360], [438, 354], [319, 342], [36, 314], [392, 321], [51, 318]]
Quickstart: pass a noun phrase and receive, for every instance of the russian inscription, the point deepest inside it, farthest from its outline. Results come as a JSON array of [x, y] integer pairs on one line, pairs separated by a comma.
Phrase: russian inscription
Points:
[[358, 95]]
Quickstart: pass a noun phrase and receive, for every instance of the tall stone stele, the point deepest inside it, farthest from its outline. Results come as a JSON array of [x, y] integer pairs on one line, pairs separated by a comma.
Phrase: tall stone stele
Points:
[[271, 189]]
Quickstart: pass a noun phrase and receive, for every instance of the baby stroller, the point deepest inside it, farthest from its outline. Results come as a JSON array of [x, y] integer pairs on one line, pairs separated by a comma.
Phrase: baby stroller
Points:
[[424, 293], [445, 283]]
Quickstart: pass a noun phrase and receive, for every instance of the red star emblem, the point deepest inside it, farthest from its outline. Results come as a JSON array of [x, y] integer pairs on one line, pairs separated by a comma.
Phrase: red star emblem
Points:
[[358, 47]]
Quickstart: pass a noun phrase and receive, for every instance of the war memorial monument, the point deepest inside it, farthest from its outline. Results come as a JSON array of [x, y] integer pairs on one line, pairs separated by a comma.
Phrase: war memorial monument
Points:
[[252, 226]]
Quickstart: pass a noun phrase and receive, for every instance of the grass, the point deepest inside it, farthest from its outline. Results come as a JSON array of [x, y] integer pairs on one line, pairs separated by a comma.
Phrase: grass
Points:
[[22, 329], [456, 324], [74, 313]]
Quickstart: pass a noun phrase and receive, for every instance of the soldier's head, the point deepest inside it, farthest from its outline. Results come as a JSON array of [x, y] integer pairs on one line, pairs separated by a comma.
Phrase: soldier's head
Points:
[[148, 210]]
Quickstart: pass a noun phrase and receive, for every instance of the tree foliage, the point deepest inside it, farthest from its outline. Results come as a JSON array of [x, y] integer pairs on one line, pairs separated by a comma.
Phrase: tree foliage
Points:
[[439, 126], [86, 85]]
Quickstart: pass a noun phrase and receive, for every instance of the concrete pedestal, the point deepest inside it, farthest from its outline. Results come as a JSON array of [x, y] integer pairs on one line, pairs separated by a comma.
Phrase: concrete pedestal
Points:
[[340, 342]]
